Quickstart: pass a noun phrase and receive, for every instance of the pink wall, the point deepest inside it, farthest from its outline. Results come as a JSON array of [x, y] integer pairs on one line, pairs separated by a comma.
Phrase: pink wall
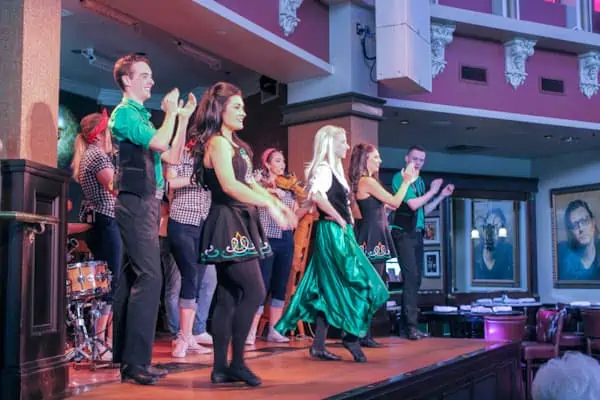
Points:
[[484, 6], [497, 94], [311, 34], [543, 12]]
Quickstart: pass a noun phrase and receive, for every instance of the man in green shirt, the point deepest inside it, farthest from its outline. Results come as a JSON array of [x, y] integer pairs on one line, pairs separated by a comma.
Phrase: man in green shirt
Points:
[[407, 227], [140, 183]]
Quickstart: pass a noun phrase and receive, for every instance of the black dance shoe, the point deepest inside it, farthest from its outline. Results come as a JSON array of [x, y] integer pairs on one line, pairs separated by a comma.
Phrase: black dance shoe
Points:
[[355, 350], [137, 374], [241, 373], [369, 342], [323, 355], [222, 377], [157, 372], [415, 334]]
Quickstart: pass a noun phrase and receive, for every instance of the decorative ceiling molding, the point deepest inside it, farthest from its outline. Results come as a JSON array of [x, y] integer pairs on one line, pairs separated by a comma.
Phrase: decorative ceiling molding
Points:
[[589, 65], [516, 53], [441, 36], [287, 15]]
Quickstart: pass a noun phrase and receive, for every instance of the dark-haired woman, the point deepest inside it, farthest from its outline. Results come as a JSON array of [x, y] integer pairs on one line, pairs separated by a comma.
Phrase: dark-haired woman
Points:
[[275, 269], [93, 169], [372, 231], [232, 238]]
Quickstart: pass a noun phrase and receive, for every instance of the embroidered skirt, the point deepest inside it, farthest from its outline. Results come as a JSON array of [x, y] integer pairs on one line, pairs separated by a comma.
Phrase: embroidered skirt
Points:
[[375, 240], [232, 234]]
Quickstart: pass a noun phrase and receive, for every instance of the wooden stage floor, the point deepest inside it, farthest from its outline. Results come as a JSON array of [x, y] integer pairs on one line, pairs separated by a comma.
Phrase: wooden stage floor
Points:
[[286, 370]]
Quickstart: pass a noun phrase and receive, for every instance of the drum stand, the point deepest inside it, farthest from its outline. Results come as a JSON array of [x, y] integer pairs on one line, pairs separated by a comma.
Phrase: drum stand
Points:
[[86, 345]]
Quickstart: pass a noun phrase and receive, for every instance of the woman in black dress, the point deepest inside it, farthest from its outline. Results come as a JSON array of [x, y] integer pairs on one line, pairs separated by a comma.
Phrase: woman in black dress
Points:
[[232, 238], [372, 231]]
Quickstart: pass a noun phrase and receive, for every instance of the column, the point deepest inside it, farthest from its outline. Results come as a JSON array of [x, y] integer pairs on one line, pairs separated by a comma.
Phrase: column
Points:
[[358, 114], [32, 204], [351, 27]]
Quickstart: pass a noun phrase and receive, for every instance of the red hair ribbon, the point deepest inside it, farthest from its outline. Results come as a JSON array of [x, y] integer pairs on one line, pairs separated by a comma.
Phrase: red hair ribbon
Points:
[[101, 127], [190, 144], [266, 154]]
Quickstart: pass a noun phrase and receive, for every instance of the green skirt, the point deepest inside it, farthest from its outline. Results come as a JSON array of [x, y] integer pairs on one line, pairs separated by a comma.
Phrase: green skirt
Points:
[[339, 281]]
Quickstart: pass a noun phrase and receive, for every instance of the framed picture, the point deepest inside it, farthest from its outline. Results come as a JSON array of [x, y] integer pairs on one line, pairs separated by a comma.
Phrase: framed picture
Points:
[[431, 264], [432, 231], [495, 243], [575, 239]]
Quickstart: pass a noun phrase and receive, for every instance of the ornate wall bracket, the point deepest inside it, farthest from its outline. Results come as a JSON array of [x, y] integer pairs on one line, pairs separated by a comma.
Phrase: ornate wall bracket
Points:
[[287, 15], [516, 53], [589, 65], [441, 36]]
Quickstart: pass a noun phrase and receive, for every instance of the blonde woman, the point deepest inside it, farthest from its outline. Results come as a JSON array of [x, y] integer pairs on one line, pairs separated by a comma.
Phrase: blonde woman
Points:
[[93, 169], [340, 286]]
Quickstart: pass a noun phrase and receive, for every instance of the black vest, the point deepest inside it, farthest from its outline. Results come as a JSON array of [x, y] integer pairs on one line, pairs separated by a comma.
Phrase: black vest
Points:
[[404, 216], [135, 169]]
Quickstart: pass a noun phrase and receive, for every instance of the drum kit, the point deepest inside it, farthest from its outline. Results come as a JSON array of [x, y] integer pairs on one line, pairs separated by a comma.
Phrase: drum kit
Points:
[[87, 282]]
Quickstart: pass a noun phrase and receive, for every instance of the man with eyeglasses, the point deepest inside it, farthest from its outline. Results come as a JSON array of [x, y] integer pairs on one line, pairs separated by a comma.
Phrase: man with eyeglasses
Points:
[[578, 256]]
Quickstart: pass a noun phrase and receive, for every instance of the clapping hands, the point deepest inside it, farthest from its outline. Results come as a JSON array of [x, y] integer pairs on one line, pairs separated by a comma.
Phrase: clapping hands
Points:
[[187, 110], [409, 174], [170, 103]]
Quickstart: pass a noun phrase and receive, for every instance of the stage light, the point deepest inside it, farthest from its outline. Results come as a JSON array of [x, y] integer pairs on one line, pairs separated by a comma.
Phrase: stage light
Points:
[[212, 62]]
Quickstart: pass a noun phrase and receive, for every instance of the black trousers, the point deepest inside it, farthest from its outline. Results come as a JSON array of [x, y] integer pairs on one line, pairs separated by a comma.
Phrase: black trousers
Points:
[[409, 247], [135, 308]]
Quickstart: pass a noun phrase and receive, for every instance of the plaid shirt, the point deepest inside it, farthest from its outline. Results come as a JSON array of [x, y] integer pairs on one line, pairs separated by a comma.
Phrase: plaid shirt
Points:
[[96, 197], [190, 204], [272, 230]]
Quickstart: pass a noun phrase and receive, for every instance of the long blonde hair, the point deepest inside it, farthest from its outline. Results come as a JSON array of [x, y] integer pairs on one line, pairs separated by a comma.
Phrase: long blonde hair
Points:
[[323, 152], [89, 134]]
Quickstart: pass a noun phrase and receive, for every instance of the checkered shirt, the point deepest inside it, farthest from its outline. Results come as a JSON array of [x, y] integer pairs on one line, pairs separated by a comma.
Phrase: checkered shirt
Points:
[[190, 204], [95, 195], [272, 230]]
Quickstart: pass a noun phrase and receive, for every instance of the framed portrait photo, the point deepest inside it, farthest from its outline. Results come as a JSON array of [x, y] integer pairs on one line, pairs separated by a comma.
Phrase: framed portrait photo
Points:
[[495, 243], [431, 234], [575, 238], [431, 264]]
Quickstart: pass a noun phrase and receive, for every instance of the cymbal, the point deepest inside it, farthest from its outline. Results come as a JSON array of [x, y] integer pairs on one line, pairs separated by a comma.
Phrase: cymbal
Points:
[[74, 228]]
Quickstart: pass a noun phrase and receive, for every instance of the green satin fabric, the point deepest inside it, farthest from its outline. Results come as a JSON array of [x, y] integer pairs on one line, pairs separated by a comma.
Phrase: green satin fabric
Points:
[[339, 281]]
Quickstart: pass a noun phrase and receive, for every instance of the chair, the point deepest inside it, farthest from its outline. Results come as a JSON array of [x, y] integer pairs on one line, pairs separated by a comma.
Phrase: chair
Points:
[[504, 327], [549, 325], [591, 329], [571, 339]]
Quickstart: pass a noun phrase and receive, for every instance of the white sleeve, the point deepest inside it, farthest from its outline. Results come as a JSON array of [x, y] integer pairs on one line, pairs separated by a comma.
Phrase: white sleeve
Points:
[[321, 180]]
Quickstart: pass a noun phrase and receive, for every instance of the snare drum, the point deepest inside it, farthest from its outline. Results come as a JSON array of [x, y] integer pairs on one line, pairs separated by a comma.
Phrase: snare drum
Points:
[[88, 279]]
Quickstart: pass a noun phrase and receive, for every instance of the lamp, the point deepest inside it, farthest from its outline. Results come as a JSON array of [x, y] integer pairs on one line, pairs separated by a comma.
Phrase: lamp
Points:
[[111, 13], [487, 230], [212, 62]]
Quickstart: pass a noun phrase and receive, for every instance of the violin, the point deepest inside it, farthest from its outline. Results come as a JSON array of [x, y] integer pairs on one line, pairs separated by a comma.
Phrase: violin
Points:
[[291, 183]]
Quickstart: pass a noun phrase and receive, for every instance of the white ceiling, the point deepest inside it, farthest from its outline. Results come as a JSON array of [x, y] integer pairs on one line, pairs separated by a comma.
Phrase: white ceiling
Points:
[[437, 131], [82, 28]]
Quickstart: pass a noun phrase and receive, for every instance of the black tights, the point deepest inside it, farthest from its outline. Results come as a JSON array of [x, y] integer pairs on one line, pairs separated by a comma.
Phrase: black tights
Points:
[[321, 327], [240, 290]]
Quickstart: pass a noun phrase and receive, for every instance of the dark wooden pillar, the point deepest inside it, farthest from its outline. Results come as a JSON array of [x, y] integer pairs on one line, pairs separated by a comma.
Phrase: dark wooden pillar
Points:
[[32, 280]]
